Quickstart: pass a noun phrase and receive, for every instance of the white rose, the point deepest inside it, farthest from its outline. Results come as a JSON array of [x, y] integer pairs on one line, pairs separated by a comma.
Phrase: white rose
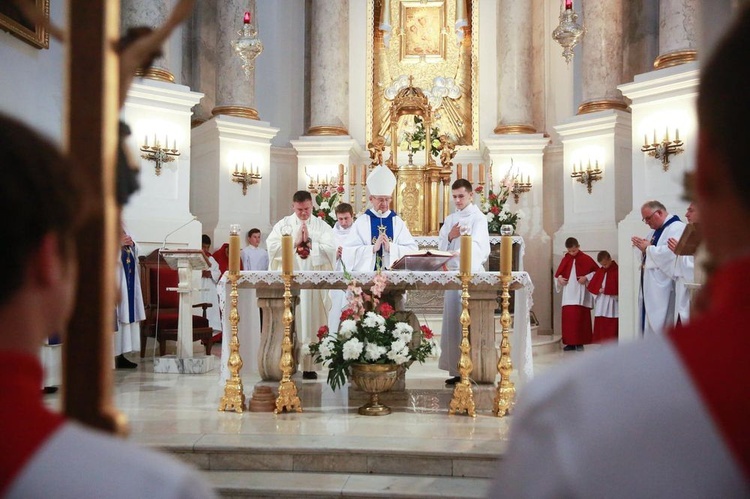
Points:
[[352, 349]]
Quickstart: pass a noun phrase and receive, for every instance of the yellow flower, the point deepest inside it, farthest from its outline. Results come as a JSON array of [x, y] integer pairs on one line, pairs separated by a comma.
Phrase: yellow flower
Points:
[[404, 145], [415, 144]]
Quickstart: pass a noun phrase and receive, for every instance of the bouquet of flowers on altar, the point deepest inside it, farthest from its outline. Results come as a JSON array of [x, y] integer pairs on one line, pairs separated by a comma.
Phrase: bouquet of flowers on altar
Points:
[[368, 334], [494, 204], [326, 201], [414, 137]]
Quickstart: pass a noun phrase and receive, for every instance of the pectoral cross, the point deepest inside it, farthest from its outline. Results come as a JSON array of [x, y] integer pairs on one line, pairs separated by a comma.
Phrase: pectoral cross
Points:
[[381, 229]]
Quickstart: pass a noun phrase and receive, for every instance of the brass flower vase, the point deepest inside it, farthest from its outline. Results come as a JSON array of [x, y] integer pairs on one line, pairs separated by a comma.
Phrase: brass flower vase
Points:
[[374, 379]]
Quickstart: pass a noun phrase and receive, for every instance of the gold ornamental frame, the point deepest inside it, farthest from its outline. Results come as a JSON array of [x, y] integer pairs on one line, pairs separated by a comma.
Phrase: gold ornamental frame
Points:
[[12, 21]]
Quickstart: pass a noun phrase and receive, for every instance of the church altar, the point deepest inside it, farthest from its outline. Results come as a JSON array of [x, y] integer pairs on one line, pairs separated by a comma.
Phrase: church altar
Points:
[[269, 287], [426, 242]]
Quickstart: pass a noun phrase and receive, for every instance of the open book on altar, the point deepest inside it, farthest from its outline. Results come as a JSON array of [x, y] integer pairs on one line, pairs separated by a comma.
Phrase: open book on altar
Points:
[[423, 261]]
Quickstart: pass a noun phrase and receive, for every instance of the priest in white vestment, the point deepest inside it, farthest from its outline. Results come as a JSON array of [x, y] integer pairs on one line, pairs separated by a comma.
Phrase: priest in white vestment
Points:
[[315, 249], [467, 219], [684, 272], [657, 291], [344, 260], [380, 236], [130, 310]]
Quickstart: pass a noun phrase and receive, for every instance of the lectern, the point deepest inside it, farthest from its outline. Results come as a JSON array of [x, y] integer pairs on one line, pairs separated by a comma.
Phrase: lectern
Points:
[[184, 261]]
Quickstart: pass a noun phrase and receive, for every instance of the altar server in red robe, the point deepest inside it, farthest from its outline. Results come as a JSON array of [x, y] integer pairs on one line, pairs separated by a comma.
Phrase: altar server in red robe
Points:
[[665, 416], [573, 274], [41, 453], [606, 305]]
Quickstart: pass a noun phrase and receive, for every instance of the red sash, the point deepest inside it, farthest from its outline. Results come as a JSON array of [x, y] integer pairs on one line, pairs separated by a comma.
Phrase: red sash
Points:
[[584, 265], [714, 349], [610, 285]]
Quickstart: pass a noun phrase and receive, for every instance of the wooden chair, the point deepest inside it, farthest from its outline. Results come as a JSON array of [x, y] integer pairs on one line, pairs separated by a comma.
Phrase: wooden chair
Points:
[[162, 306]]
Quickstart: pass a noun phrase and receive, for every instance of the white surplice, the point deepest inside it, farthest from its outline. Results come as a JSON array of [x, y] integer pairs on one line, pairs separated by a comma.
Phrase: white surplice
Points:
[[658, 290], [254, 258], [472, 218], [361, 240], [338, 296], [314, 303], [684, 272]]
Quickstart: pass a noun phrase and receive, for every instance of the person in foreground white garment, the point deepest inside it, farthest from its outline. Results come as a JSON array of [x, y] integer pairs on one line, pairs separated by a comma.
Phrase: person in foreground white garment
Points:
[[315, 249], [130, 310], [657, 293], [379, 235], [42, 454], [344, 260], [253, 256], [469, 218], [684, 271], [665, 416]]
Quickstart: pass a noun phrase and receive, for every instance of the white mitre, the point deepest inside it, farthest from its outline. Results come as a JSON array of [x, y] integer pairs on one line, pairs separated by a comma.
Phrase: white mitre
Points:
[[381, 181]]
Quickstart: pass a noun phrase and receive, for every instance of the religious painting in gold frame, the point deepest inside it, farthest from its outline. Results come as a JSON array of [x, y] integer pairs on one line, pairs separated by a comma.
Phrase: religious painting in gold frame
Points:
[[15, 23], [458, 118], [422, 25]]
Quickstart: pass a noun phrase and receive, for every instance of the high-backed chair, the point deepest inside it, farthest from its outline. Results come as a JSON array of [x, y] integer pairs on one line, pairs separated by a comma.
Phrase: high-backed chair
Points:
[[163, 306]]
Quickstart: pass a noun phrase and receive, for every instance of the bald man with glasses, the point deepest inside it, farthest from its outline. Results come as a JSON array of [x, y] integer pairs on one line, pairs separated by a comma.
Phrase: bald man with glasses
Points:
[[657, 290]]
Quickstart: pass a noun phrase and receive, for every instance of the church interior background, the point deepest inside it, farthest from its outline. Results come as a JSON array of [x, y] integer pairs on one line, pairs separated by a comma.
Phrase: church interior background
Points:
[[320, 95]]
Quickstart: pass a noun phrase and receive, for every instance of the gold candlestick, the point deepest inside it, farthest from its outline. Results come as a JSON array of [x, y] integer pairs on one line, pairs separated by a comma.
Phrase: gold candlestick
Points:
[[506, 391], [364, 187], [234, 394], [287, 399], [463, 397]]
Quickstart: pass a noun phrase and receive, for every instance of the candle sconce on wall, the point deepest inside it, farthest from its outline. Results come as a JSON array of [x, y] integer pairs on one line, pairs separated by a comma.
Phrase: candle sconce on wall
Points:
[[588, 175], [245, 177], [159, 154], [664, 149], [520, 187]]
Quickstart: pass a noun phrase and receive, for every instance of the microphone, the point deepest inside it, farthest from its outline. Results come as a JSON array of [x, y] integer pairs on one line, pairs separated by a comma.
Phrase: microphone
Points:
[[164, 243]]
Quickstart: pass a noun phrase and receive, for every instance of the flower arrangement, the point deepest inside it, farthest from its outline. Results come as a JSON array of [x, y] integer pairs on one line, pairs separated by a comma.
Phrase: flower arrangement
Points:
[[326, 201], [414, 137], [368, 334], [494, 204]]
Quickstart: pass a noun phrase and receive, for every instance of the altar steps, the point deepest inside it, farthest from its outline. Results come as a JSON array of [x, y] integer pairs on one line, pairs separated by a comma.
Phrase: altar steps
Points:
[[260, 466]]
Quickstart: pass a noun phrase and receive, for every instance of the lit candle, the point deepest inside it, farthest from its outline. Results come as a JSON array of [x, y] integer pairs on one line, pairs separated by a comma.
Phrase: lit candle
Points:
[[588, 167], [676, 134], [145, 141], [244, 170], [459, 171], [645, 139], [666, 134], [234, 250], [506, 254], [655, 136], [236, 168], [174, 145], [287, 257], [568, 4], [246, 19], [470, 172], [528, 179], [574, 168], [481, 172], [156, 144], [597, 164], [465, 267]]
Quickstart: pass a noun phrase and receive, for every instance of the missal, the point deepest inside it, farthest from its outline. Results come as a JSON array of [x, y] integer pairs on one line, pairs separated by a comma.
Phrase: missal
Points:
[[424, 261]]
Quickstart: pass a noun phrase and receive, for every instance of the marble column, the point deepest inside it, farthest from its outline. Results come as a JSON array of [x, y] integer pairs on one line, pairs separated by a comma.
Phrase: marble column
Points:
[[235, 90], [602, 54], [678, 32], [514, 70], [150, 13], [329, 68]]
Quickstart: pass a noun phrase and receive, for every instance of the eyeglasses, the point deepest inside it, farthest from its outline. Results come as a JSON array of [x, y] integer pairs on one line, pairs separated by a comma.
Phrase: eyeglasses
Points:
[[648, 218]]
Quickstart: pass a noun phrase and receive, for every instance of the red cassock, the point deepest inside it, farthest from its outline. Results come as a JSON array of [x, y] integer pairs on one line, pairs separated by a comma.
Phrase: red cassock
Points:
[[605, 328], [221, 256], [576, 318]]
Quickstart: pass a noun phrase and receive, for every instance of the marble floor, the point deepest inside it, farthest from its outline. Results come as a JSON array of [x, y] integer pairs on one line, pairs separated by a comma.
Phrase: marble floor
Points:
[[180, 413]]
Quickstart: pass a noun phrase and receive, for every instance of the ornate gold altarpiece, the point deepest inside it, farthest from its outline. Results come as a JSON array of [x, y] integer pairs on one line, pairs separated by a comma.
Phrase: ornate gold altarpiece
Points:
[[424, 46]]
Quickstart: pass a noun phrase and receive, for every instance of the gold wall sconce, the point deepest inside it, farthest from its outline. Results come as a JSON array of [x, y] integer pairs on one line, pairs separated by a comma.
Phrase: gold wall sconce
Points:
[[158, 154], [588, 175], [245, 177], [664, 149], [520, 187]]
